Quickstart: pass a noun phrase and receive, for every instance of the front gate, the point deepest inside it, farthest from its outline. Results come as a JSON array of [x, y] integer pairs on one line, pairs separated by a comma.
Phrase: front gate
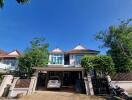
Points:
[[100, 86]]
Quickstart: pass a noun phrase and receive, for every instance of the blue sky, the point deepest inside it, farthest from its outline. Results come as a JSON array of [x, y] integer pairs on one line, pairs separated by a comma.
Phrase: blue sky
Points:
[[64, 23]]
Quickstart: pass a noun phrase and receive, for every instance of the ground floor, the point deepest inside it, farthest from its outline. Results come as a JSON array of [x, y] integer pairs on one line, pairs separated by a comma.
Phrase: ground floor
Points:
[[72, 79], [56, 95]]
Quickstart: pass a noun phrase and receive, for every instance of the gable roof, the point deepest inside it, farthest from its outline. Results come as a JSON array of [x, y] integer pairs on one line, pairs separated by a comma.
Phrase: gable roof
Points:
[[57, 51], [79, 49], [14, 53]]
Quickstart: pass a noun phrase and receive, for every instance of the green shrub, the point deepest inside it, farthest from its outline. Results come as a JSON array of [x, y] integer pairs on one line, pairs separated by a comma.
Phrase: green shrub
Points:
[[87, 62], [102, 64]]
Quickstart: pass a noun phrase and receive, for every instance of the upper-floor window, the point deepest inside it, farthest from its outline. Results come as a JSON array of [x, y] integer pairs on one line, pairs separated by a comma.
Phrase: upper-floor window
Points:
[[56, 58], [78, 59], [13, 62]]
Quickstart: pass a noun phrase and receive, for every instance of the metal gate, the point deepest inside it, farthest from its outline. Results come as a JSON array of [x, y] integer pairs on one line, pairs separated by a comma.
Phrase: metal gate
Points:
[[100, 86]]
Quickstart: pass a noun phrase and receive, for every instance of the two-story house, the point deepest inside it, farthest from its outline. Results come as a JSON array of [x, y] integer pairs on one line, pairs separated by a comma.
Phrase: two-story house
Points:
[[70, 58], [8, 60], [65, 65]]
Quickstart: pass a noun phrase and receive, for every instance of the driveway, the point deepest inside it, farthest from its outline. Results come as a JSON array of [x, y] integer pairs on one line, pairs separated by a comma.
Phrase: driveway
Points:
[[50, 95]]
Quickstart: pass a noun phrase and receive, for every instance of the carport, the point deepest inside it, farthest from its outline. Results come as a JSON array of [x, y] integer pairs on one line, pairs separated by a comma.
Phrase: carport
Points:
[[68, 75]]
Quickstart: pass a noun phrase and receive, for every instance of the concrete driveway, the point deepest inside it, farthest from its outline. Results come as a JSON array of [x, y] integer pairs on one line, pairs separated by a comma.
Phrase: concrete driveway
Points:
[[51, 95]]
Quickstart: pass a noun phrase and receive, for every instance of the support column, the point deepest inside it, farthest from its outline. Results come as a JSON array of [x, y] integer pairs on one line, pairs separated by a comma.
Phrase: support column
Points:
[[82, 74], [12, 86], [108, 78], [88, 85], [32, 85], [6, 81], [36, 73]]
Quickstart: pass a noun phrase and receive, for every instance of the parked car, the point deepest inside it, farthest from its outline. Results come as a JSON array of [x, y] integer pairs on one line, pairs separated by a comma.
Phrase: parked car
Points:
[[54, 82]]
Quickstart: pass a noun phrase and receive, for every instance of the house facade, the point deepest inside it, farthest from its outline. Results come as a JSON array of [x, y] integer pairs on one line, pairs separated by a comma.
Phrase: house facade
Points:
[[8, 60], [70, 58], [65, 65]]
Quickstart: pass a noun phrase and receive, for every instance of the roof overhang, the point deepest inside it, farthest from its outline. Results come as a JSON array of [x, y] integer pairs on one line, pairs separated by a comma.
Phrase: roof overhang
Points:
[[8, 56], [13, 54], [58, 68], [83, 52]]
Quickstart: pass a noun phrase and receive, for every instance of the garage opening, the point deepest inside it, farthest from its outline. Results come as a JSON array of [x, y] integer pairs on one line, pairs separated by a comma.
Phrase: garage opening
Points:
[[41, 82], [71, 81]]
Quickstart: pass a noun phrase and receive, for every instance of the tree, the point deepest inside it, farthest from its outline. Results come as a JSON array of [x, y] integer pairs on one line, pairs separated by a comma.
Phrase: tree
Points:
[[87, 62], [35, 56], [118, 40], [103, 65], [18, 1]]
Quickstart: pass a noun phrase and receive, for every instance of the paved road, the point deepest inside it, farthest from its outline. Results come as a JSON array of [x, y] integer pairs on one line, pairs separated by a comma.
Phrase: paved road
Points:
[[49, 95]]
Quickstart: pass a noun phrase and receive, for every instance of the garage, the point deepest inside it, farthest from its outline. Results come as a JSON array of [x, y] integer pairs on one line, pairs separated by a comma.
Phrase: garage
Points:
[[70, 78]]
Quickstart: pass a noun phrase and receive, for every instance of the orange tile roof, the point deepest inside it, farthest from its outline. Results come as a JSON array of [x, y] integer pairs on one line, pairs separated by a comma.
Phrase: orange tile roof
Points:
[[4, 54]]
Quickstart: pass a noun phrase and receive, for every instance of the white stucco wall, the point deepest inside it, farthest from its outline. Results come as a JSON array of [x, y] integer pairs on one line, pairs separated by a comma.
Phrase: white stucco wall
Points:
[[8, 66], [17, 91], [127, 85], [4, 66], [49, 59], [72, 59], [13, 92]]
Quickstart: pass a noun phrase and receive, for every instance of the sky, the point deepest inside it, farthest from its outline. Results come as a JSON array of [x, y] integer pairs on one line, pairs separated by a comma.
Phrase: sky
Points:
[[64, 23]]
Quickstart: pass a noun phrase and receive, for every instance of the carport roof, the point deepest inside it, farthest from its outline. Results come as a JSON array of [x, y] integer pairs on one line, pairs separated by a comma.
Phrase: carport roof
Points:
[[58, 68]]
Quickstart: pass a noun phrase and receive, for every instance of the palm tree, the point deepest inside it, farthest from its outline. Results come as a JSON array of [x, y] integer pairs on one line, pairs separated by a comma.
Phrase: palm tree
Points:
[[18, 1]]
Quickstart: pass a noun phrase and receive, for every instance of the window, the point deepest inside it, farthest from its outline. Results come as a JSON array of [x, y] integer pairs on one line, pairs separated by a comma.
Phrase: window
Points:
[[56, 58], [13, 62], [72, 56], [78, 59]]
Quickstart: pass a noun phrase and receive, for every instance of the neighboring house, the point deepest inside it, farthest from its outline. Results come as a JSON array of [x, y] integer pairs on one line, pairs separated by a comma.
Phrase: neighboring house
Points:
[[8, 60], [65, 65]]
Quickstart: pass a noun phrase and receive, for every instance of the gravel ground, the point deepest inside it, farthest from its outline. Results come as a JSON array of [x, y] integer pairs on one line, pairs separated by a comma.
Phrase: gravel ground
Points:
[[50, 95]]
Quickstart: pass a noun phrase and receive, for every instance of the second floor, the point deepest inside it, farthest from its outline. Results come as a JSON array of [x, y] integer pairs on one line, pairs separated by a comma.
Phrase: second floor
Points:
[[56, 57], [71, 57], [9, 59]]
